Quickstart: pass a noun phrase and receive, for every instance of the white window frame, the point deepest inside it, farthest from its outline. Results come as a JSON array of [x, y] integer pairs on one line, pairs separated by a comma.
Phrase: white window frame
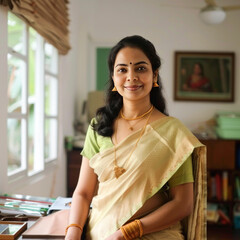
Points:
[[20, 178], [3, 98]]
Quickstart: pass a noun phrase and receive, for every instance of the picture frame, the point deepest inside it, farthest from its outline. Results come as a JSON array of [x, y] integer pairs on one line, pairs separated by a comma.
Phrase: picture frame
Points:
[[10, 230], [204, 76]]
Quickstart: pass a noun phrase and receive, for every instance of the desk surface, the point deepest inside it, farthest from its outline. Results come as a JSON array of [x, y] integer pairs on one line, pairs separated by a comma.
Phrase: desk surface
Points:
[[213, 233], [30, 223]]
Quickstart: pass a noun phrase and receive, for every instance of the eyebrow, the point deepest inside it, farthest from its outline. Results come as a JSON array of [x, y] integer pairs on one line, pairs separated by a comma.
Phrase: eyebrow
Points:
[[125, 65]]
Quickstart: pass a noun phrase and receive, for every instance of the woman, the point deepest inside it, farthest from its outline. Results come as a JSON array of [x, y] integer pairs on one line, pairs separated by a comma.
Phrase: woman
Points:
[[137, 157], [197, 81]]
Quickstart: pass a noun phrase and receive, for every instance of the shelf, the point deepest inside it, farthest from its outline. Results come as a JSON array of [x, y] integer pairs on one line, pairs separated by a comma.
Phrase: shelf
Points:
[[218, 225], [220, 232], [220, 201], [237, 171], [222, 157]]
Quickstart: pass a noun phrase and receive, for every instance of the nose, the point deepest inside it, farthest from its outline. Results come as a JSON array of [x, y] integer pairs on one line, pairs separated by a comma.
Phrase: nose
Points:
[[132, 76]]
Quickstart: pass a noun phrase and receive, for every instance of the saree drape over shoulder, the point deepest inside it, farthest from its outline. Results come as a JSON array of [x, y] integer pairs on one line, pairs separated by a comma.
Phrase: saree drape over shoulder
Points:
[[163, 148]]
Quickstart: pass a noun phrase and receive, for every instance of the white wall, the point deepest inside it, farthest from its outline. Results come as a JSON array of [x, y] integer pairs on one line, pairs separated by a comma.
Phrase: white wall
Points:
[[170, 28]]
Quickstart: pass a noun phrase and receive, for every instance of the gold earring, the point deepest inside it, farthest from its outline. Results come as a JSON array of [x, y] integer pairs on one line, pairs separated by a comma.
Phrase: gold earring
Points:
[[114, 89], [155, 84]]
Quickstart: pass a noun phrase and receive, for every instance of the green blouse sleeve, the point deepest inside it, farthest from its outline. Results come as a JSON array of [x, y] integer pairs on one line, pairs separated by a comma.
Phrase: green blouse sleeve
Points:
[[91, 146], [183, 175]]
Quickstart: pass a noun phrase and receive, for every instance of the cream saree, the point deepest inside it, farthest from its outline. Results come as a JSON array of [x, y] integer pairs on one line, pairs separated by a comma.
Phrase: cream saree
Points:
[[163, 148]]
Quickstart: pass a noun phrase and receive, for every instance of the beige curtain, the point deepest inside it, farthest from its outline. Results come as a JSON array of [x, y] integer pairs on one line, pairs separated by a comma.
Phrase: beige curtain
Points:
[[48, 17]]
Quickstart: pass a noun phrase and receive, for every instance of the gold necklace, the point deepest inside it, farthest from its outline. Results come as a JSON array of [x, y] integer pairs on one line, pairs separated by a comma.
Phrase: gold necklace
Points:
[[138, 117], [131, 126], [120, 170]]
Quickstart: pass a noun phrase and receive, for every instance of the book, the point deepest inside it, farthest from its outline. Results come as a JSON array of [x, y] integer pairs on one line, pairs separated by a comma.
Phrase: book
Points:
[[212, 212], [19, 204], [218, 186], [224, 219], [44, 200], [213, 187], [223, 211], [225, 185], [60, 203], [237, 185]]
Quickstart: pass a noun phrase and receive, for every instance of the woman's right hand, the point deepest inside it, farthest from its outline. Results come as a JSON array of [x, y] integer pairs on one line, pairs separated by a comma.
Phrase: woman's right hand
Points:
[[73, 233]]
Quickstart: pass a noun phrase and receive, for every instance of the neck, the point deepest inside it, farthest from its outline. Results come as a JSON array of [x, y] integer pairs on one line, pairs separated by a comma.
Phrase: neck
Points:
[[135, 109]]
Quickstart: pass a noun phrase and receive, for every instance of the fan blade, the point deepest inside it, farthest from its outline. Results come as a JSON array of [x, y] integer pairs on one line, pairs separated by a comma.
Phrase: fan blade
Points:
[[230, 8], [211, 3], [177, 6]]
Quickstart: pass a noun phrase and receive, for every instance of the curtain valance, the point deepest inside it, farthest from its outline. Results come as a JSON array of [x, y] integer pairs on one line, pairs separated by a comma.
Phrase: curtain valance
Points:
[[48, 17]]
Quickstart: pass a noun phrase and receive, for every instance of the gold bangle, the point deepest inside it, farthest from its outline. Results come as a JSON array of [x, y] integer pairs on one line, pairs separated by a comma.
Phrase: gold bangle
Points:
[[132, 230], [140, 227], [73, 225], [124, 233]]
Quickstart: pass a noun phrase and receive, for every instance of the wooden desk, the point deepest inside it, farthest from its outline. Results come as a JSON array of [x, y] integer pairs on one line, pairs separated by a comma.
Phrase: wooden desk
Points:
[[30, 223]]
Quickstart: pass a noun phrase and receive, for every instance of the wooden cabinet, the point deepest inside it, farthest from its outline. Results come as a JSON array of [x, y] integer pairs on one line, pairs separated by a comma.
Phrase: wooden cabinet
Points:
[[221, 154], [222, 172], [74, 161]]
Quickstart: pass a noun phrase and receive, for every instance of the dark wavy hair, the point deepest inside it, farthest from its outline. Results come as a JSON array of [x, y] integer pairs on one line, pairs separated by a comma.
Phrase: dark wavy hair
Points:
[[106, 115]]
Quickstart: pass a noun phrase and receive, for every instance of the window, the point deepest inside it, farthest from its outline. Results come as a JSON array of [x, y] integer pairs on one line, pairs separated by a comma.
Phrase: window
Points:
[[32, 121]]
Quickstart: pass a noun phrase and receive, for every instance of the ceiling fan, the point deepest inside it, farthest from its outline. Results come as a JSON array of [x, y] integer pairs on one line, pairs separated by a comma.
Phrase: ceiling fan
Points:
[[214, 14]]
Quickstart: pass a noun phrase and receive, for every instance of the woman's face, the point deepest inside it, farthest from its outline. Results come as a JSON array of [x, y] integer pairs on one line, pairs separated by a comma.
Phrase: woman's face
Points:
[[197, 69], [132, 75]]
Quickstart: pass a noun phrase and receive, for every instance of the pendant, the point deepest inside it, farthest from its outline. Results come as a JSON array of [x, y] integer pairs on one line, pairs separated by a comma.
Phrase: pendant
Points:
[[119, 171], [131, 128]]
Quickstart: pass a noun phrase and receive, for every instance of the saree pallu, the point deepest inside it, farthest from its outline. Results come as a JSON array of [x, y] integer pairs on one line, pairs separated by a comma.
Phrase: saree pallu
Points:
[[163, 148]]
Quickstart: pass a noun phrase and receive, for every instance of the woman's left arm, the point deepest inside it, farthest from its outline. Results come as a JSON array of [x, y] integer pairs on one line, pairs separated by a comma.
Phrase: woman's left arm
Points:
[[180, 206]]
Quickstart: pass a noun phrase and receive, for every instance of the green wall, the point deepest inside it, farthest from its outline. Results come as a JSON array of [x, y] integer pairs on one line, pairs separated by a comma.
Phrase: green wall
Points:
[[102, 68]]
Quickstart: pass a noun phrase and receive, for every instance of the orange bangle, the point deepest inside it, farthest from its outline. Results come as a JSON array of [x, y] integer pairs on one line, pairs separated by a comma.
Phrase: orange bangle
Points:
[[132, 230], [73, 225], [124, 233], [140, 227]]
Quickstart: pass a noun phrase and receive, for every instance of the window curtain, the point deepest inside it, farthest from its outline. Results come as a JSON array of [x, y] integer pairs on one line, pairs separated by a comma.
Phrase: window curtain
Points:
[[48, 17]]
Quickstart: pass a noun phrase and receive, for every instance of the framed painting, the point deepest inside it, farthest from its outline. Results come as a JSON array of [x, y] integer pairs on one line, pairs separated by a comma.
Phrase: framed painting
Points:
[[204, 76]]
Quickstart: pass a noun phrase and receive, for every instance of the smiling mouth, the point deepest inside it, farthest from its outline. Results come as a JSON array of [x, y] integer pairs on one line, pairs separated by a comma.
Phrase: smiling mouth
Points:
[[132, 88]]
